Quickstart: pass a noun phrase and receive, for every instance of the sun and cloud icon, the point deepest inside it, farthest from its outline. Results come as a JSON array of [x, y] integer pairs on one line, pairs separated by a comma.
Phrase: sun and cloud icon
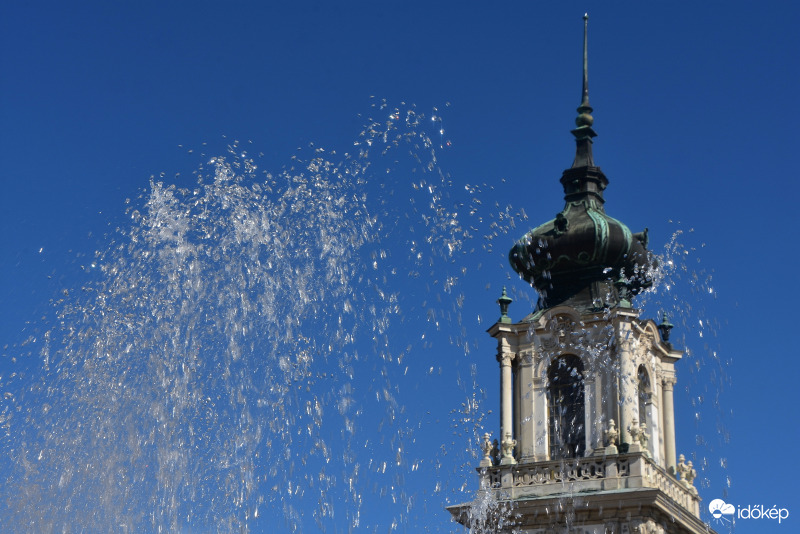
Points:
[[719, 509]]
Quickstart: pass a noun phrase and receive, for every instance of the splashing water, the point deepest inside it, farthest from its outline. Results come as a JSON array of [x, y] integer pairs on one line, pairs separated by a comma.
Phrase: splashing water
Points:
[[213, 369], [685, 292], [491, 512]]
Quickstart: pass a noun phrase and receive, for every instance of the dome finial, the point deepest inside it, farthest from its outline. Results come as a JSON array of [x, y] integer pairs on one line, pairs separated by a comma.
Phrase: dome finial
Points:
[[584, 132]]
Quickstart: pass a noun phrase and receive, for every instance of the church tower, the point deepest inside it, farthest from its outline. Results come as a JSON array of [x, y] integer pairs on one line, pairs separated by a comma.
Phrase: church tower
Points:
[[587, 428]]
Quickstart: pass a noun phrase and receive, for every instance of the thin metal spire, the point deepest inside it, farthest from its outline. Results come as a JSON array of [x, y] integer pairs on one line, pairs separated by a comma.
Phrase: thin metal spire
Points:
[[584, 132], [585, 94]]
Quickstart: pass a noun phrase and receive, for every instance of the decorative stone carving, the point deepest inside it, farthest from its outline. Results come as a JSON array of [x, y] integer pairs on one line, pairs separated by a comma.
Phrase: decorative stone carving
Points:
[[647, 342], [690, 474], [508, 450], [681, 468], [644, 526], [687, 472], [563, 326], [651, 527], [643, 437], [635, 430], [639, 437], [486, 447], [611, 434], [504, 358]]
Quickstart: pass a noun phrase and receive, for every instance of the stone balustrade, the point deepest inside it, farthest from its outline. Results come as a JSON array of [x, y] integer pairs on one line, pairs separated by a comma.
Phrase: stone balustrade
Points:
[[682, 494], [592, 473]]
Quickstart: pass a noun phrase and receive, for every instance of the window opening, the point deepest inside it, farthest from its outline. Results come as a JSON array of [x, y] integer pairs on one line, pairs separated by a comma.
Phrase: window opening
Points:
[[566, 407]]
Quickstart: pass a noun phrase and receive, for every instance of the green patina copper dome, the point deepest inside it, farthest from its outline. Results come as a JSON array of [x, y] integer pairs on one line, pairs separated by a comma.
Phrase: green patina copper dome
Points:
[[583, 256], [579, 248]]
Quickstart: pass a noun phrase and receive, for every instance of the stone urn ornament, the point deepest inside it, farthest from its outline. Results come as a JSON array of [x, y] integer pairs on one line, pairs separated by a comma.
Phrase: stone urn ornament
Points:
[[610, 436], [508, 450]]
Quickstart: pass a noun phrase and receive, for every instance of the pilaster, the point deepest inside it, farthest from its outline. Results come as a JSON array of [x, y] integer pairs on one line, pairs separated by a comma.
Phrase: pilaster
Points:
[[527, 399], [628, 381]]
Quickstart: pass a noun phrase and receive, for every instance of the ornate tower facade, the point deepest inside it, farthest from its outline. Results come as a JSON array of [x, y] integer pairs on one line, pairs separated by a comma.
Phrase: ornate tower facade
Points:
[[587, 428]]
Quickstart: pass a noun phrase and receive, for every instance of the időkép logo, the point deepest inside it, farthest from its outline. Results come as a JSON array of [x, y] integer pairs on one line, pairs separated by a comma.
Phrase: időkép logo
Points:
[[723, 512]]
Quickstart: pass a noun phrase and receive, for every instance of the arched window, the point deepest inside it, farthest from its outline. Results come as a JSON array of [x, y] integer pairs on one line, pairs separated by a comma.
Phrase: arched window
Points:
[[566, 407]]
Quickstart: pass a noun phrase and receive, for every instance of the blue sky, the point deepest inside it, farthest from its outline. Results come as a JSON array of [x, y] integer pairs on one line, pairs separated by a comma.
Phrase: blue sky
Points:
[[693, 107]]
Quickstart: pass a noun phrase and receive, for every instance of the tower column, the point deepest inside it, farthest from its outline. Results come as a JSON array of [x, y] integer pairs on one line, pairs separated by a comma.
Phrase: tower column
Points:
[[668, 412], [506, 397]]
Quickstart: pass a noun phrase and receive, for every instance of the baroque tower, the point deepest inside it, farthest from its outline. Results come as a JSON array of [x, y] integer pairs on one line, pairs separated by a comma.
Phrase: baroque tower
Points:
[[587, 428]]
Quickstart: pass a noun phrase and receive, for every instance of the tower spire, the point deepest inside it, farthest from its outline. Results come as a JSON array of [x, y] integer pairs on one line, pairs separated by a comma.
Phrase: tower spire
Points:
[[585, 93], [584, 132]]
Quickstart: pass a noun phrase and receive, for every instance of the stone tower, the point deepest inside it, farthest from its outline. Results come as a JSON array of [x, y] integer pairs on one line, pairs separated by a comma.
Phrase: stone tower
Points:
[[587, 429]]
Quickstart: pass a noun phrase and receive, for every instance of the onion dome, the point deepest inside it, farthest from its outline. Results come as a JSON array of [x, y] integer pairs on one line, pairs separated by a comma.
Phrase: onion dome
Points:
[[584, 257]]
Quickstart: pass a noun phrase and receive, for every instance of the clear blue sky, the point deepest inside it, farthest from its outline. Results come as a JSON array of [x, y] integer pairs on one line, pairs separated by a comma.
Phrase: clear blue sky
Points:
[[694, 105]]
